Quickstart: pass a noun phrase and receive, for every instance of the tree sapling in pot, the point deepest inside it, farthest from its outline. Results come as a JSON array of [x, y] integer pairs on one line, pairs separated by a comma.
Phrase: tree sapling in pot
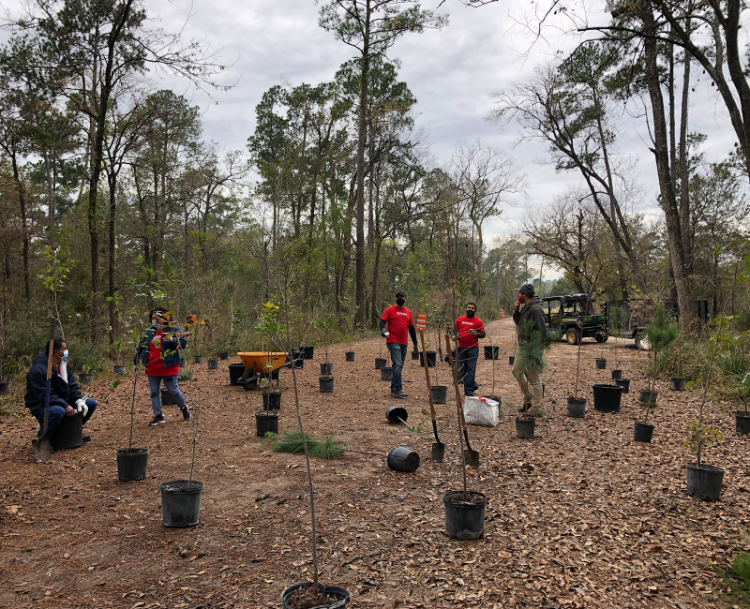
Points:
[[576, 403], [132, 462], [326, 325], [742, 418], [616, 321], [678, 383], [270, 328]]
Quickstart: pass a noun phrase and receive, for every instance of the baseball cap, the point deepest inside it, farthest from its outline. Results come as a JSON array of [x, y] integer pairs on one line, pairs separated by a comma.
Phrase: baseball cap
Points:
[[401, 293], [527, 288]]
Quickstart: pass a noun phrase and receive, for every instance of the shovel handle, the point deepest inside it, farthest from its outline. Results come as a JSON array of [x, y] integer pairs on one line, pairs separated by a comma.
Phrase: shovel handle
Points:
[[429, 389]]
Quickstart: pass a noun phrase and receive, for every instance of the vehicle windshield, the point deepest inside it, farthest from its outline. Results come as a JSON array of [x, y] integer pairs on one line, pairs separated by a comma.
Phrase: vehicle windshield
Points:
[[579, 306]]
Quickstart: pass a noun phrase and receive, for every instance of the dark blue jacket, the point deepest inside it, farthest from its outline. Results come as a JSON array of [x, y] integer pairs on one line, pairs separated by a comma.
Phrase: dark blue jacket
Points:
[[61, 393], [169, 353]]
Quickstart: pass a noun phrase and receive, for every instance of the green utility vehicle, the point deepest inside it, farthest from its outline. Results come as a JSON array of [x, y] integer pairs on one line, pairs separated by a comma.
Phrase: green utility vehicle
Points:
[[576, 317]]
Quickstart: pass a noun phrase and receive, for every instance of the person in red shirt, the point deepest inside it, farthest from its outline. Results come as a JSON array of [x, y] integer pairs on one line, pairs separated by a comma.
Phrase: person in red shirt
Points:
[[159, 352], [395, 322], [469, 328]]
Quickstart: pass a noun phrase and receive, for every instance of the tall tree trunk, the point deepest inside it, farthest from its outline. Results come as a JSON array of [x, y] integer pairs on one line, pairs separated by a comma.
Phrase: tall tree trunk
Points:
[[24, 219], [684, 169], [360, 295], [661, 154], [113, 321]]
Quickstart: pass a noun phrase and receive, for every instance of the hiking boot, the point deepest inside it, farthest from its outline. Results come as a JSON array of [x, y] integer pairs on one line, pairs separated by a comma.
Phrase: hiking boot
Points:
[[186, 413], [399, 394], [157, 420]]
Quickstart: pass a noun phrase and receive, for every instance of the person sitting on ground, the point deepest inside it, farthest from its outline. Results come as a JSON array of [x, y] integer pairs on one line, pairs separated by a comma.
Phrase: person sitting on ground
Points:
[[65, 398], [159, 352]]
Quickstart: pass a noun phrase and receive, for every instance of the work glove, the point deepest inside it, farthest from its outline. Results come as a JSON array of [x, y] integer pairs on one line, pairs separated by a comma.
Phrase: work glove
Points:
[[81, 407], [385, 334]]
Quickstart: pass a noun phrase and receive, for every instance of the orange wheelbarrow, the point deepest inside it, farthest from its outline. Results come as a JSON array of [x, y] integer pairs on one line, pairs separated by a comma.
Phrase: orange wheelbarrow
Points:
[[258, 365]]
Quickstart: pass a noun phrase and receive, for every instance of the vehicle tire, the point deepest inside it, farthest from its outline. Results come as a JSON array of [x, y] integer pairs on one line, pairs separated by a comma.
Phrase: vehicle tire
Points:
[[573, 336]]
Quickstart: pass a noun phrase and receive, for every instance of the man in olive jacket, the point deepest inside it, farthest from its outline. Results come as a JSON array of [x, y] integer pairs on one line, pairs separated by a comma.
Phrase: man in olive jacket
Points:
[[528, 313]]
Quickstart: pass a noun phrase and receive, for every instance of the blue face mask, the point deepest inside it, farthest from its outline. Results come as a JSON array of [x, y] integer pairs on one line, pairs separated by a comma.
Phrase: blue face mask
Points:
[[65, 355]]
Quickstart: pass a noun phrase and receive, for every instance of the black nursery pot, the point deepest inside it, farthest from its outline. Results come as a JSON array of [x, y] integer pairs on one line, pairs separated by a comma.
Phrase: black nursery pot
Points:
[[491, 352], [704, 481], [308, 352], [415, 354], [525, 428], [223, 355], [69, 434], [298, 358], [607, 398], [180, 503], [341, 595], [166, 398], [386, 373], [464, 519], [131, 464], [380, 363], [677, 383], [271, 400], [119, 370], [439, 394], [235, 373], [577, 407], [511, 359], [601, 363], [431, 359], [265, 422], [742, 422], [326, 368], [213, 363], [616, 375], [198, 359], [396, 415], [349, 356], [326, 384], [447, 358], [648, 397], [85, 377], [642, 432], [402, 459], [624, 383]]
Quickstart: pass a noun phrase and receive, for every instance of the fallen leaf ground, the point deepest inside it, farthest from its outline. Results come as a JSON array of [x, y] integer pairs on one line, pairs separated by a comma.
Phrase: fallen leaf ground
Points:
[[581, 516]]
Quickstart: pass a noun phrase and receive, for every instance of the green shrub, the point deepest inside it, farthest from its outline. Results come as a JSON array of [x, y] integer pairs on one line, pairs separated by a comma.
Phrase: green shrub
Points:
[[738, 579]]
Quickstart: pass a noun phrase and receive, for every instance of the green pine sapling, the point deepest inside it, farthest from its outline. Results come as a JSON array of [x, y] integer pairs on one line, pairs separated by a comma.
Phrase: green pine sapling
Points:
[[661, 333]]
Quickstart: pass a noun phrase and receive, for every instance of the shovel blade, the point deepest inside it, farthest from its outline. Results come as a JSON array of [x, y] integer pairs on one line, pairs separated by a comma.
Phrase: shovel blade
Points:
[[438, 452], [472, 458], [42, 449]]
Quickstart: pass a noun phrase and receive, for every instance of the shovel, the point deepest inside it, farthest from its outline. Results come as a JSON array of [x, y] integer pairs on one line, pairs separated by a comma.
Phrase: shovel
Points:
[[471, 456], [41, 445], [438, 448]]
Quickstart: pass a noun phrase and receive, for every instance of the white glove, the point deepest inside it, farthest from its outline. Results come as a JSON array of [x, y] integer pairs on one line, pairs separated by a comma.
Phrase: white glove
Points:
[[81, 407], [386, 334]]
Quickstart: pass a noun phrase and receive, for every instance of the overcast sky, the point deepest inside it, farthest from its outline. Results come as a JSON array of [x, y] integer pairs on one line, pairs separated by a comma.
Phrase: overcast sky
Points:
[[452, 72]]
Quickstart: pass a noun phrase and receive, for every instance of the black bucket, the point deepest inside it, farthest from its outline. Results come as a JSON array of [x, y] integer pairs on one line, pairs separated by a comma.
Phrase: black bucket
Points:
[[447, 358], [198, 359], [464, 519], [431, 359], [577, 407], [742, 422], [223, 355], [341, 595], [511, 359], [69, 434], [607, 398], [677, 383], [131, 464], [642, 432], [439, 394], [601, 363], [166, 398], [386, 373], [271, 400], [180, 504], [624, 383], [402, 459], [299, 359], [380, 363], [704, 481], [85, 377], [326, 369], [119, 370], [349, 356], [415, 354], [525, 428], [213, 363], [326, 384], [265, 422], [491, 352], [616, 375], [396, 415], [307, 352], [648, 397]]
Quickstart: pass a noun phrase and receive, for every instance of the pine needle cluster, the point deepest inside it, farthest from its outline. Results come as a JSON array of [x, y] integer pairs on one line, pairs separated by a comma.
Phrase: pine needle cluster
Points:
[[291, 442]]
